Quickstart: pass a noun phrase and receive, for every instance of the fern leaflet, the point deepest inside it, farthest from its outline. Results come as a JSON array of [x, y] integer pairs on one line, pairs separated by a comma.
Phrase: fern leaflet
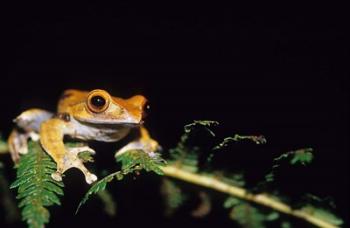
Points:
[[133, 160], [36, 189]]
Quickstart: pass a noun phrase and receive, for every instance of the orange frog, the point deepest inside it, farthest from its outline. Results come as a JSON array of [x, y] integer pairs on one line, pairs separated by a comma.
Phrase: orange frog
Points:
[[94, 115]]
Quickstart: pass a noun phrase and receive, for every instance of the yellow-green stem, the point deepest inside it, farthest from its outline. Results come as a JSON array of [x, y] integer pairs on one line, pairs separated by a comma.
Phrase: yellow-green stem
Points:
[[262, 199], [212, 183]]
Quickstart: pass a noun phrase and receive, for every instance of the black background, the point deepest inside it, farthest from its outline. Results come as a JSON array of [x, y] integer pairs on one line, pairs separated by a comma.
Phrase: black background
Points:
[[283, 76]]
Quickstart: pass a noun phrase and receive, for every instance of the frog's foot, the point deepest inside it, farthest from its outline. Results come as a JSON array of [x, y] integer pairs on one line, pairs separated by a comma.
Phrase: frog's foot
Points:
[[57, 176], [34, 136], [52, 134], [89, 177], [71, 160], [150, 146]]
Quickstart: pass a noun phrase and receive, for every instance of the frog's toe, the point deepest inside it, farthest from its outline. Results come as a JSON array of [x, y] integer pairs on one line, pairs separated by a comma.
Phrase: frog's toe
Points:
[[90, 178], [77, 150], [23, 150], [135, 145], [90, 150], [57, 176], [149, 146], [34, 136], [71, 160]]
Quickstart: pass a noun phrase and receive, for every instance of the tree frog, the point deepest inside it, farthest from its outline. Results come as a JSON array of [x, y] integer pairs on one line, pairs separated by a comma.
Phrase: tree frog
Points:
[[94, 115]]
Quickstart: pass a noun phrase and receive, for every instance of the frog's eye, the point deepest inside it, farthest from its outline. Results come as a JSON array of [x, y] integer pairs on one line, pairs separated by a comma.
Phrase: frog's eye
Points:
[[98, 102]]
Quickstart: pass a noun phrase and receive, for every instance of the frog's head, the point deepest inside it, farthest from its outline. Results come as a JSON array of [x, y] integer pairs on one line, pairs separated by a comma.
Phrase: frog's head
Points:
[[99, 107]]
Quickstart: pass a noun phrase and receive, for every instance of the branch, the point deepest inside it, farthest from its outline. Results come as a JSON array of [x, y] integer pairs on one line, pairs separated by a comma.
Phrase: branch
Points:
[[262, 199], [215, 184]]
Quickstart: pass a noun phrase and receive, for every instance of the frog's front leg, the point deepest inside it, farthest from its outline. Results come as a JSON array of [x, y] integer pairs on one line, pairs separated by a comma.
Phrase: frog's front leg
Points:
[[51, 137], [144, 142]]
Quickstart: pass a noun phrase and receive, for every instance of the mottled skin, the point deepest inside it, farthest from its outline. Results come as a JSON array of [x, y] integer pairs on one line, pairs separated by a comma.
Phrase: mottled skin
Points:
[[94, 115]]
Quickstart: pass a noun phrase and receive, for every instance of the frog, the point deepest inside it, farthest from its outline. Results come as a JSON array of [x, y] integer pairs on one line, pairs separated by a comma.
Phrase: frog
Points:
[[86, 116]]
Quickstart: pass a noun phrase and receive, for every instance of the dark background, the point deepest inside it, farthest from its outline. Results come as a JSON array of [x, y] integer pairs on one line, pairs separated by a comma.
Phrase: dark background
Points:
[[283, 76]]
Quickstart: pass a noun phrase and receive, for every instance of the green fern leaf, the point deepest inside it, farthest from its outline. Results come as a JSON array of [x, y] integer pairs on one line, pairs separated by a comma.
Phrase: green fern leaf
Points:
[[286, 224], [110, 206], [248, 215], [323, 214], [231, 202], [36, 189], [185, 155], [259, 139], [140, 160], [133, 160], [302, 156], [173, 196], [99, 186], [203, 123]]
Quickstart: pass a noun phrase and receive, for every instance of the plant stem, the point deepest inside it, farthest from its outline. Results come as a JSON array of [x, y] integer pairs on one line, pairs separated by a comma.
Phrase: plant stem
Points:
[[262, 199], [212, 183]]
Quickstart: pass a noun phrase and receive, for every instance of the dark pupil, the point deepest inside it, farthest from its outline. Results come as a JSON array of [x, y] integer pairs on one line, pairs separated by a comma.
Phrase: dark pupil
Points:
[[98, 101]]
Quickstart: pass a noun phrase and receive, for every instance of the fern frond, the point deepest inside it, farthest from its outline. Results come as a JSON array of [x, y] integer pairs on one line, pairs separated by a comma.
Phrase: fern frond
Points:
[[258, 139], [133, 160], [248, 215], [140, 160], [110, 206], [172, 194], [201, 123], [323, 214], [36, 189], [184, 155], [302, 156], [99, 186]]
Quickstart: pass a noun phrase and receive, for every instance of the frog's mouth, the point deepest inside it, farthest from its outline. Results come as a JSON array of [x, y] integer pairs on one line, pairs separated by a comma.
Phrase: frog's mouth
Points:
[[108, 123]]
